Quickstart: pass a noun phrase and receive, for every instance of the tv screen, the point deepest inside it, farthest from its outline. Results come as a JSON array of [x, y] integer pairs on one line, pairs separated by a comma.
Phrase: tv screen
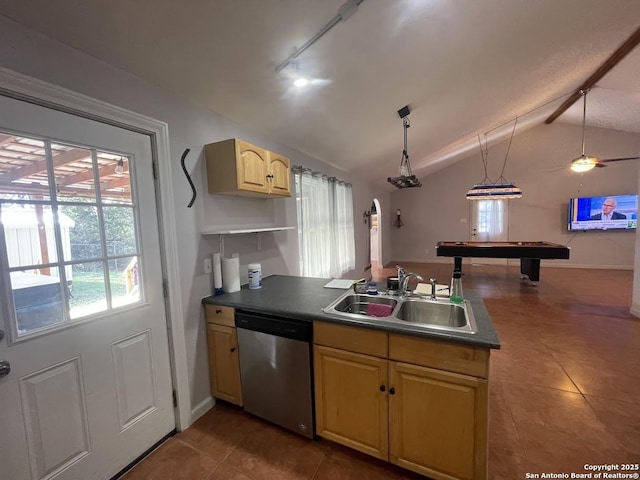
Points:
[[604, 213]]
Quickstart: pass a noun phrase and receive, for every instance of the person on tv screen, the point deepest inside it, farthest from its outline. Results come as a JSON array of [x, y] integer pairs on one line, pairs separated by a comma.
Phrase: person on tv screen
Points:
[[608, 211]]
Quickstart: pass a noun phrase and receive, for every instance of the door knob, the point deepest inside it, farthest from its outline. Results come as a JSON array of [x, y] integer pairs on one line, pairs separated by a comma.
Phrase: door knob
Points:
[[5, 368]]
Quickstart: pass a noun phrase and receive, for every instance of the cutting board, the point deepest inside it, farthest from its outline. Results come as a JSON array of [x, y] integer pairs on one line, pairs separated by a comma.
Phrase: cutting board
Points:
[[425, 288]]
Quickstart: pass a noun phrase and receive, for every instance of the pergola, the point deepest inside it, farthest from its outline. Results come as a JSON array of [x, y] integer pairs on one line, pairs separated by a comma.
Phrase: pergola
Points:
[[23, 171]]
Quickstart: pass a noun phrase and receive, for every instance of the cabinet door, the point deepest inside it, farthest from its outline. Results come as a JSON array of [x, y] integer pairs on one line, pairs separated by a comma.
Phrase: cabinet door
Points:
[[351, 409], [438, 422], [224, 365], [252, 168], [280, 175]]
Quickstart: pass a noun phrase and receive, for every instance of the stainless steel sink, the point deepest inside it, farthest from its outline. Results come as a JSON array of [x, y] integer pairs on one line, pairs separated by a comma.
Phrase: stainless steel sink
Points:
[[418, 311], [366, 305], [433, 313]]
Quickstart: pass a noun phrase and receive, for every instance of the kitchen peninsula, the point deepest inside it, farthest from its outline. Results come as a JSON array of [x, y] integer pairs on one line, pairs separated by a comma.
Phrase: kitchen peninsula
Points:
[[416, 397]]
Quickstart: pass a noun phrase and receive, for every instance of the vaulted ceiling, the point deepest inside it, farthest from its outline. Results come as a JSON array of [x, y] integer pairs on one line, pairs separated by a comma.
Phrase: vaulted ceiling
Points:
[[464, 67]]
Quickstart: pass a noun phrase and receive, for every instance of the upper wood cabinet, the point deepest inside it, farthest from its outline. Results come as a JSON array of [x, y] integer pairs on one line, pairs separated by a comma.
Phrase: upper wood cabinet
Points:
[[235, 167]]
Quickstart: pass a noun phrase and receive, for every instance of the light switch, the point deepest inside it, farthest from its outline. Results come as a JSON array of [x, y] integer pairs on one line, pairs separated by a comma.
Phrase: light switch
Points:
[[207, 265]]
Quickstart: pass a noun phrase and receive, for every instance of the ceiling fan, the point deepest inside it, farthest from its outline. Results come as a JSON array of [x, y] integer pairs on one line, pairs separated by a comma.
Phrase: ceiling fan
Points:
[[585, 163]]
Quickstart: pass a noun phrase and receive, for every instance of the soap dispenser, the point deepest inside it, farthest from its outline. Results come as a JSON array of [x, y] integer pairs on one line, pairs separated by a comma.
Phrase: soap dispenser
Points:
[[456, 295]]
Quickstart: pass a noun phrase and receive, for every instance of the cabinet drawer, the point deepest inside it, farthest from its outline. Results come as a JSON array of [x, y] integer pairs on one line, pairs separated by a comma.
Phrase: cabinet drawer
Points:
[[446, 356], [220, 315], [353, 339]]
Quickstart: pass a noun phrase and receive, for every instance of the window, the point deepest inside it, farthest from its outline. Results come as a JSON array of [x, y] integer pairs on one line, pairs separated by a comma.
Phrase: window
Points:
[[70, 249], [491, 220], [325, 224]]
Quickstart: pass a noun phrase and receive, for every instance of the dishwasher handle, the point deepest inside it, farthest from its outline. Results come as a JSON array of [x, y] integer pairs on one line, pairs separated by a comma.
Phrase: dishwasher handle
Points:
[[280, 327]]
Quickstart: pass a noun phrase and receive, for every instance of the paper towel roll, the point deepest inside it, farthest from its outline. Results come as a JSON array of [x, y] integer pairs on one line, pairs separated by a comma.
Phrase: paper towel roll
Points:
[[231, 274], [217, 273]]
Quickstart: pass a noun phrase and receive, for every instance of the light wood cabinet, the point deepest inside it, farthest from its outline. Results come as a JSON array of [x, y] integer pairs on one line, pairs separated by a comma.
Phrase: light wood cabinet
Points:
[[224, 362], [351, 400], [435, 419], [235, 167], [437, 422], [280, 175]]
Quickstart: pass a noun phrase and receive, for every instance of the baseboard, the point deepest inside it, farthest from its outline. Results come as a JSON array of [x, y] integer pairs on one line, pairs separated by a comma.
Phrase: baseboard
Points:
[[422, 260], [595, 267], [202, 408], [513, 262]]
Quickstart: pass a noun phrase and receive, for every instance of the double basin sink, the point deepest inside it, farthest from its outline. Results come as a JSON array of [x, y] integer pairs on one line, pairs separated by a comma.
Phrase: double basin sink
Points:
[[414, 310]]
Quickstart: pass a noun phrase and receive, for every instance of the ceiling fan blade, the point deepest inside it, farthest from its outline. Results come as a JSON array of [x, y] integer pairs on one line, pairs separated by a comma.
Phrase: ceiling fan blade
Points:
[[607, 160], [600, 164]]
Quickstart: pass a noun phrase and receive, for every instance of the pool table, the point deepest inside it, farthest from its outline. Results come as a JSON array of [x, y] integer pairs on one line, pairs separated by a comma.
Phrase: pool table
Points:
[[529, 253]]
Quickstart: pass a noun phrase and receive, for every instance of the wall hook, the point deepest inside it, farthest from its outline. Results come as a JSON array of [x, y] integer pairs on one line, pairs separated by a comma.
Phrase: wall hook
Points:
[[184, 169]]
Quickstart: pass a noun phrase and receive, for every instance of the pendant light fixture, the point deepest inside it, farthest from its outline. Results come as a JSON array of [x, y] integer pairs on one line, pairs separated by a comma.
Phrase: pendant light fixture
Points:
[[501, 188], [119, 166], [406, 178]]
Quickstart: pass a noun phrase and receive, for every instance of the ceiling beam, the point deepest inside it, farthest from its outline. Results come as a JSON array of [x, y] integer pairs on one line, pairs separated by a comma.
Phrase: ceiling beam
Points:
[[628, 45], [115, 183], [86, 176], [41, 166], [43, 191], [6, 139]]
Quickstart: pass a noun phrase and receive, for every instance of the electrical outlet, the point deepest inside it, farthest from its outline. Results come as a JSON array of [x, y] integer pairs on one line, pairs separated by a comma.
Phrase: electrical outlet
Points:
[[207, 265]]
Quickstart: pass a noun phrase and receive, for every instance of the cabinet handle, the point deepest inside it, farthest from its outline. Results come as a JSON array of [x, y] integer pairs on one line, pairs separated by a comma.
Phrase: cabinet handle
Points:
[[382, 388], [218, 312], [233, 349], [392, 391]]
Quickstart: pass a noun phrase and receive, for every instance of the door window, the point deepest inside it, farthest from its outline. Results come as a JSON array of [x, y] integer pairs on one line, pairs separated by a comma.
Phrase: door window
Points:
[[68, 233], [490, 220]]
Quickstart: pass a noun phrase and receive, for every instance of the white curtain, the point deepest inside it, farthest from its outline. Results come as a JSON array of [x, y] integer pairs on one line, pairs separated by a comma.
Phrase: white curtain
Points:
[[491, 220], [325, 224]]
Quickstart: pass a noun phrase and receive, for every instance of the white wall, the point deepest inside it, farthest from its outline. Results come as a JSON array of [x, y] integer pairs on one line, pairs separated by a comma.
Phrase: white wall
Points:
[[438, 210], [190, 126]]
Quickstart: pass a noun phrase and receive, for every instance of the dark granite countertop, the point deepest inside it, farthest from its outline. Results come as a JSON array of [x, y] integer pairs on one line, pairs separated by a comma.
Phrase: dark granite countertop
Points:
[[304, 298]]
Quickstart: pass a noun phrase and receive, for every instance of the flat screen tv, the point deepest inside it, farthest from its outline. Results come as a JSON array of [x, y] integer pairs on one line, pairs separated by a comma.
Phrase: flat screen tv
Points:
[[610, 212]]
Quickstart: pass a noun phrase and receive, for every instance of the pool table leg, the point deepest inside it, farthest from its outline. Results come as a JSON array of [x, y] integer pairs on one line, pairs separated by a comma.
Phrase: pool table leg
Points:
[[531, 268], [457, 263]]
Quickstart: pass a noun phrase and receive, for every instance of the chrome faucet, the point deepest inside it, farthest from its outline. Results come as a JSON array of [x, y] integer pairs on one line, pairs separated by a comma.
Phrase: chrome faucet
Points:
[[405, 281], [401, 274], [433, 283]]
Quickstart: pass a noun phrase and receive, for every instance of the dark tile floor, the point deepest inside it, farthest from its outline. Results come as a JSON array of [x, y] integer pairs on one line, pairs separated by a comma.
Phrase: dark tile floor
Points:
[[564, 391]]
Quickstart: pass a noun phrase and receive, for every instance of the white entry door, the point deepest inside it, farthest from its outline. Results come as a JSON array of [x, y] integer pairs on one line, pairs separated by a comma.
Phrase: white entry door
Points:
[[89, 387], [490, 221]]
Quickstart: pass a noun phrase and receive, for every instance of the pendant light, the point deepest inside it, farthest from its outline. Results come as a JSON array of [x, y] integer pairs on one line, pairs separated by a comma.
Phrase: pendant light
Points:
[[406, 179], [119, 166], [501, 188]]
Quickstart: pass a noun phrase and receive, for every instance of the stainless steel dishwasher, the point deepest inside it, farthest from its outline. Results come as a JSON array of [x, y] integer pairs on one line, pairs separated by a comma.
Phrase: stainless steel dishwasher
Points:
[[275, 368]]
